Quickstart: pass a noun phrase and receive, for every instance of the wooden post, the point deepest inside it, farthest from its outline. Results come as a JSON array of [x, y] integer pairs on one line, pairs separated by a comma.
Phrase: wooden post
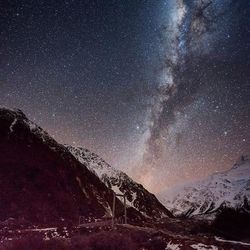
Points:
[[113, 212], [125, 210]]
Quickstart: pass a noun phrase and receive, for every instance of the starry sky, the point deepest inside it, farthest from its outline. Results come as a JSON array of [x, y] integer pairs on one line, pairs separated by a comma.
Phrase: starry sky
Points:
[[159, 89]]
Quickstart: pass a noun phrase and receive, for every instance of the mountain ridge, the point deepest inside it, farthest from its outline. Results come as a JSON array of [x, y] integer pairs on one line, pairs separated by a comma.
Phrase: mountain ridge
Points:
[[230, 188], [48, 184], [136, 195]]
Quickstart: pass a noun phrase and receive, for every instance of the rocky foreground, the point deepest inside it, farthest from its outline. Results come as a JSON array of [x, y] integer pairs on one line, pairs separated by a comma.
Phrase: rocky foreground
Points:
[[171, 234]]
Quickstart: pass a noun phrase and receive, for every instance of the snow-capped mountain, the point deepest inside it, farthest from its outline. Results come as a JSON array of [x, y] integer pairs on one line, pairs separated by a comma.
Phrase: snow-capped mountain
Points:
[[136, 195], [40, 180], [230, 188]]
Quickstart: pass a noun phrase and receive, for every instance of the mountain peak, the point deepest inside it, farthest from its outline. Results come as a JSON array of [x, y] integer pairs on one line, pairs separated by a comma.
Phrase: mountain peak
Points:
[[207, 196]]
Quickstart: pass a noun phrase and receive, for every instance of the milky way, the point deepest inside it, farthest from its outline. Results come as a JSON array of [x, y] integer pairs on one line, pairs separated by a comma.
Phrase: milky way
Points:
[[159, 89], [194, 123]]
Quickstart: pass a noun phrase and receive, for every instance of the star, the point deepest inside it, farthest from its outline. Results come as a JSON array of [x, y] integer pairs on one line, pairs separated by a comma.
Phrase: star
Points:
[[156, 88]]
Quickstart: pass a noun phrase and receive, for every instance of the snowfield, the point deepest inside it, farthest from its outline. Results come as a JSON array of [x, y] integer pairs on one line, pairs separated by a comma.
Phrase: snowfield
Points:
[[230, 188]]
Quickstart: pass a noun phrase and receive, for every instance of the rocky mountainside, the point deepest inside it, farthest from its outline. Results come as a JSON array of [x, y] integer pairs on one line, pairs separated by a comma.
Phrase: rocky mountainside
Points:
[[40, 180], [230, 188], [136, 195]]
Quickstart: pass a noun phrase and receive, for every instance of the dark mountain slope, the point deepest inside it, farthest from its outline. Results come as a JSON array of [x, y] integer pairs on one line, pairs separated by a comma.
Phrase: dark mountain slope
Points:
[[40, 180]]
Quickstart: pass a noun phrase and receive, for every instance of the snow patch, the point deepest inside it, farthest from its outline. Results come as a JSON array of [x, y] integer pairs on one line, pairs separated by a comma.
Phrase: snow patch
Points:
[[232, 241], [201, 246], [32, 125], [172, 246], [12, 125], [42, 229], [81, 186]]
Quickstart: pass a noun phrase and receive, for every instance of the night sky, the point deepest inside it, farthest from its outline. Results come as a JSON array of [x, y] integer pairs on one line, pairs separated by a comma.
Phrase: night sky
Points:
[[159, 89]]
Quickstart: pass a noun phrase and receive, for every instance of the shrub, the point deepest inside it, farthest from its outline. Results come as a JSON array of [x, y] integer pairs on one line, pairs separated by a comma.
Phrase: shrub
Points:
[[37, 243], [103, 241], [96, 241]]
